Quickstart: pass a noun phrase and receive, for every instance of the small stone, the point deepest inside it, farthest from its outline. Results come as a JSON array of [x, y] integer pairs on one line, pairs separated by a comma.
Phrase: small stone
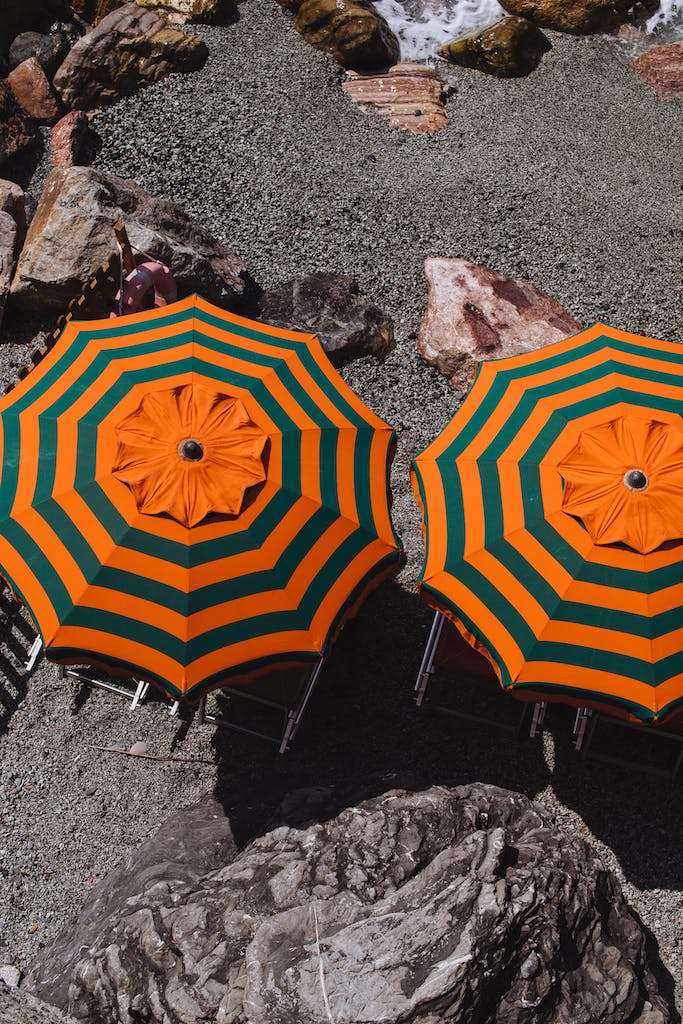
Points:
[[73, 142], [11, 975], [32, 91], [474, 313], [530, 966], [332, 306], [48, 49], [662, 68], [138, 748]]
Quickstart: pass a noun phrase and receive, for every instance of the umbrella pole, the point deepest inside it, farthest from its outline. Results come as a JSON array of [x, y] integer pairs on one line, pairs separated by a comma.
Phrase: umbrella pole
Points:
[[33, 653], [296, 714], [426, 668]]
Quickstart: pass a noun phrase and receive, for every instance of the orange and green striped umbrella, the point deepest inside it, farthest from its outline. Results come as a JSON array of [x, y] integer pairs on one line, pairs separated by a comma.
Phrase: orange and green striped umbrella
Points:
[[553, 511], [191, 496]]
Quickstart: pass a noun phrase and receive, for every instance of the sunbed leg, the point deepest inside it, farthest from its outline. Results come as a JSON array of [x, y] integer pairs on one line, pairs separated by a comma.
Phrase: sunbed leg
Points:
[[140, 693], [295, 715], [591, 732], [33, 653], [537, 717], [580, 724], [201, 710], [679, 762], [427, 666]]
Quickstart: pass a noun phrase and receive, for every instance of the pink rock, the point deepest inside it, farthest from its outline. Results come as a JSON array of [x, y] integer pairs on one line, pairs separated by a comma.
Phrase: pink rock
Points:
[[409, 95], [474, 313], [32, 91], [73, 143], [662, 68]]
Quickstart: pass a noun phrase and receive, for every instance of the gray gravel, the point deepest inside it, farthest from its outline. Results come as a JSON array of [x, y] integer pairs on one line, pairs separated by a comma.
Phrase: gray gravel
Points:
[[571, 178]]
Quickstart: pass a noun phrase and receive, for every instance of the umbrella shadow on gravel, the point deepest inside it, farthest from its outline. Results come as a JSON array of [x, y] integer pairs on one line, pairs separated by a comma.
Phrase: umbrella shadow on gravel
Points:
[[363, 735], [17, 635]]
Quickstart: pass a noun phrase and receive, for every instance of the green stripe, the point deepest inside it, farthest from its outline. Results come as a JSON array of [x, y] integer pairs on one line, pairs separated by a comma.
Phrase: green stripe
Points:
[[229, 633]]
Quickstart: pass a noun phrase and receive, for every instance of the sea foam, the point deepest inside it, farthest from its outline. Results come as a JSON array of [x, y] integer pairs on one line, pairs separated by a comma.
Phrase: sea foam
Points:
[[422, 26]]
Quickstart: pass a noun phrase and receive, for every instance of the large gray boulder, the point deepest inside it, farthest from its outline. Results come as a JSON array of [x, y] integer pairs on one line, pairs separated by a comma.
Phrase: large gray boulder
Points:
[[129, 48], [333, 307], [448, 905], [72, 233]]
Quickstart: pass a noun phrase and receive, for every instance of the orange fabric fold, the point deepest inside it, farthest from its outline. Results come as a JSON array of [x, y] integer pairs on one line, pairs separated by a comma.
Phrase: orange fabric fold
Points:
[[642, 511], [188, 452]]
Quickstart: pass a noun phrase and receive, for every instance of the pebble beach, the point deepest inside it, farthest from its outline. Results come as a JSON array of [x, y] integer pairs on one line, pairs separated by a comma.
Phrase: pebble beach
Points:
[[569, 178]]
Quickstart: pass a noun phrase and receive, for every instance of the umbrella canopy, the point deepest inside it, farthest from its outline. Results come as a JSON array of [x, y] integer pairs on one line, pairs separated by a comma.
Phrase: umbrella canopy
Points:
[[553, 512], [191, 496]]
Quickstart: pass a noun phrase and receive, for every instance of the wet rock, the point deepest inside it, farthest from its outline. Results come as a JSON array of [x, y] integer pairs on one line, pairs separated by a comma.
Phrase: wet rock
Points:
[[48, 49], [579, 17], [409, 95], [181, 12], [662, 68], [474, 313], [72, 234], [511, 48], [73, 141], [33, 92], [332, 306], [451, 904], [129, 48], [18, 133], [351, 30]]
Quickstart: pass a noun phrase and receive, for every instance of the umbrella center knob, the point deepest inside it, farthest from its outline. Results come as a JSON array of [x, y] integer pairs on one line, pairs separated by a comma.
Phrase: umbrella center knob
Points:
[[635, 480], [191, 450]]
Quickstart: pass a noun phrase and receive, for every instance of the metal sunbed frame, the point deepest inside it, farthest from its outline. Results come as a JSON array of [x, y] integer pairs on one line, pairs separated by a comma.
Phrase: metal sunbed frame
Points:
[[427, 670], [137, 691], [585, 722]]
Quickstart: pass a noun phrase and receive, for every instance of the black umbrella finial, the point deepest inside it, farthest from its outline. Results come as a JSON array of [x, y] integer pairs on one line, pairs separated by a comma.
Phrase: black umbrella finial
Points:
[[191, 450]]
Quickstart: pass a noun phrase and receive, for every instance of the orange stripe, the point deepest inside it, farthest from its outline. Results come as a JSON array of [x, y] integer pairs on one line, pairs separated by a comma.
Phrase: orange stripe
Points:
[[597, 681], [32, 590]]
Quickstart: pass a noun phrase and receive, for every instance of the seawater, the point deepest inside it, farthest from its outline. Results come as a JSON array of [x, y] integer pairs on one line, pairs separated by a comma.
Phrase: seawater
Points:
[[422, 26]]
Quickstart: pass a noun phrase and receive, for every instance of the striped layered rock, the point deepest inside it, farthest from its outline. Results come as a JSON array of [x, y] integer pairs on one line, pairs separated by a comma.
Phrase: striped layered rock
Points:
[[511, 48], [130, 48], [72, 234], [461, 904], [409, 95], [474, 313], [662, 68], [353, 31], [182, 12]]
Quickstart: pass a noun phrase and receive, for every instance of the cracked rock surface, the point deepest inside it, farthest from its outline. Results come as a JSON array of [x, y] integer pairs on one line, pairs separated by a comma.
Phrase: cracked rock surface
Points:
[[460, 904]]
